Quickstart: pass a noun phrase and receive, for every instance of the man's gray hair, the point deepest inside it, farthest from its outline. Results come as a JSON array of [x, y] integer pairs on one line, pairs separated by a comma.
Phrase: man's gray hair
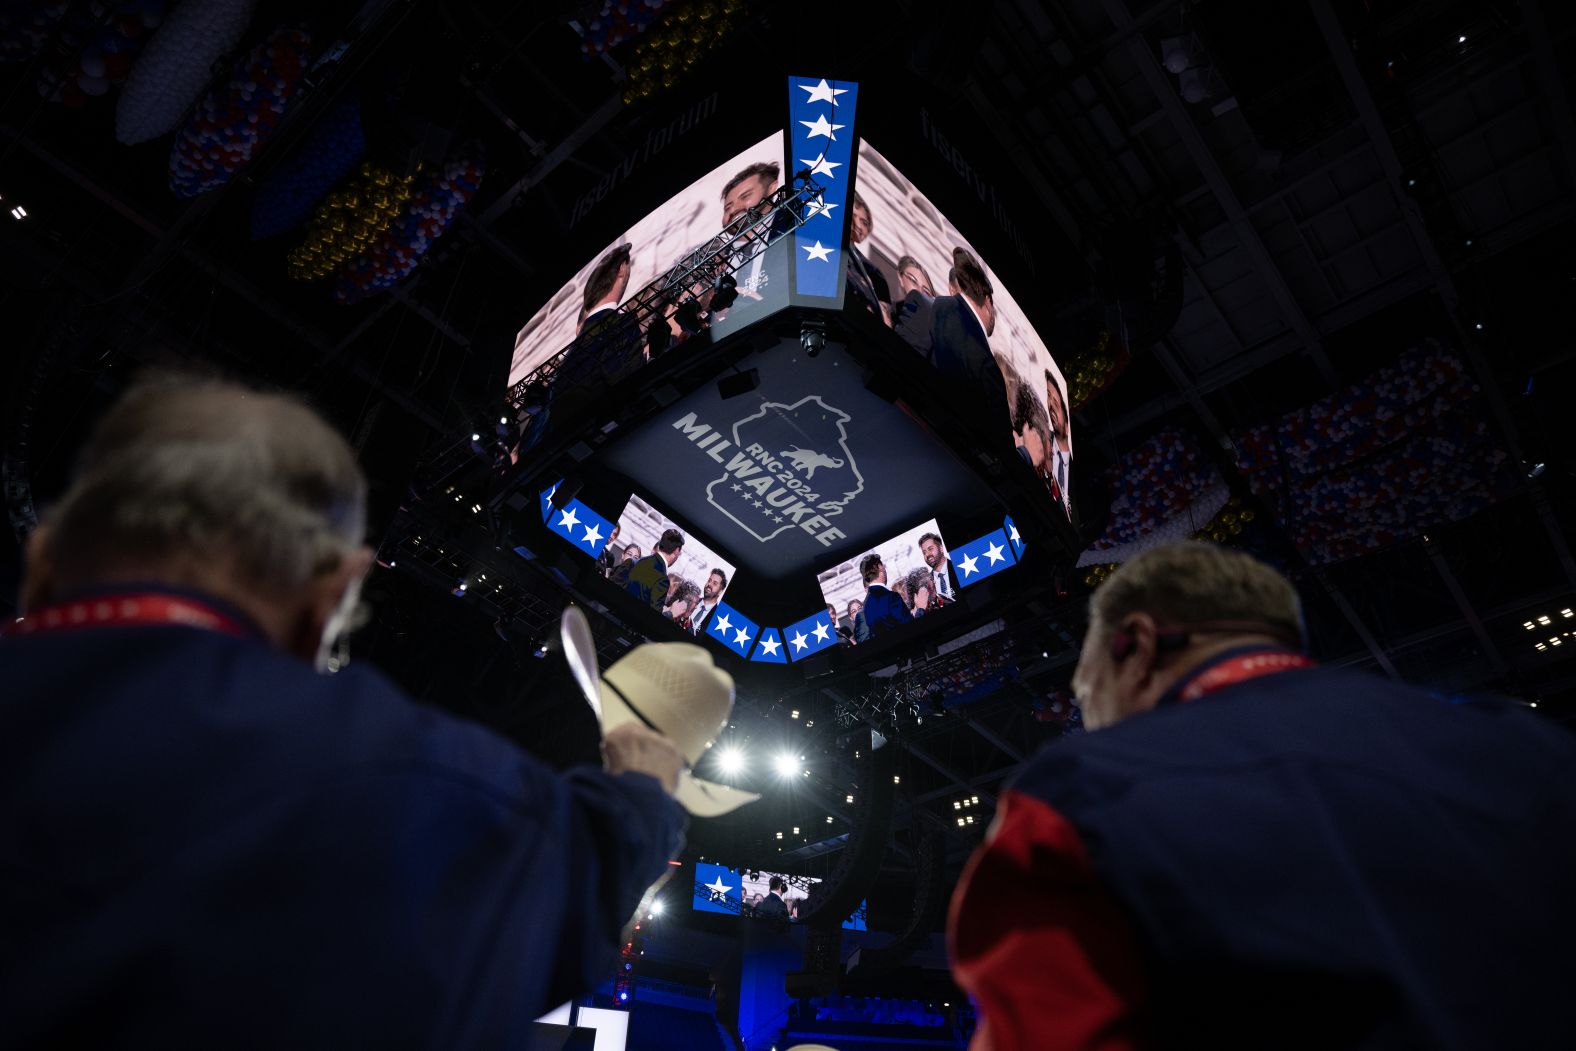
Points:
[[1191, 582], [203, 469]]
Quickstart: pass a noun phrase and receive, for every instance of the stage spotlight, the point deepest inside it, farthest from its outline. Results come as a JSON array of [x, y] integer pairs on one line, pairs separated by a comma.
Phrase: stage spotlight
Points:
[[723, 292], [730, 760], [656, 909], [786, 765]]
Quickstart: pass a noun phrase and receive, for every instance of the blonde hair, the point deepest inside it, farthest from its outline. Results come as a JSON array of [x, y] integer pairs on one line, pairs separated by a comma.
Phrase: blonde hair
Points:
[[1191, 582], [207, 469]]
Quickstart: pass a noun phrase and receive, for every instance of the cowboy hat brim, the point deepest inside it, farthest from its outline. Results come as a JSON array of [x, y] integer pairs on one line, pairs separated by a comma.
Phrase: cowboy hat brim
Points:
[[699, 797]]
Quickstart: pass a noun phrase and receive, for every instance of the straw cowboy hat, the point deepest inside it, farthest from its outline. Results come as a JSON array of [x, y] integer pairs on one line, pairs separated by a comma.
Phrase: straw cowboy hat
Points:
[[672, 687]]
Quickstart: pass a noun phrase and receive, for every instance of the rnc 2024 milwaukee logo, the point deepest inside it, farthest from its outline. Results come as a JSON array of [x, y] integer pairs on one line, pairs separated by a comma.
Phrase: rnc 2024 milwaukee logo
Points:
[[787, 467]]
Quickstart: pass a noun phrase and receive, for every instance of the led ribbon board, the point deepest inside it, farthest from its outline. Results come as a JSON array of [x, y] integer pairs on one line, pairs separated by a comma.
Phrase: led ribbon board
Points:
[[821, 141]]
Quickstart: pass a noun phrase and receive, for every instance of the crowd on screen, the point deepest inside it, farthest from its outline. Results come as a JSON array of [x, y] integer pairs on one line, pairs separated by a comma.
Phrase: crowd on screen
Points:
[[649, 579]]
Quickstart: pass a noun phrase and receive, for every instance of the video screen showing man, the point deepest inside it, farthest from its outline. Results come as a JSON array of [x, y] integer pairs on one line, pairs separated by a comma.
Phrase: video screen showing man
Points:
[[885, 608], [748, 188], [962, 329], [647, 579], [711, 594], [607, 342], [772, 907], [1061, 444], [890, 585], [863, 276], [684, 583], [690, 218], [943, 578]]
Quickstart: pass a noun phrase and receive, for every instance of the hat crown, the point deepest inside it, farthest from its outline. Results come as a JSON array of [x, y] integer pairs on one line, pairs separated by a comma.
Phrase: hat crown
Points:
[[678, 689]]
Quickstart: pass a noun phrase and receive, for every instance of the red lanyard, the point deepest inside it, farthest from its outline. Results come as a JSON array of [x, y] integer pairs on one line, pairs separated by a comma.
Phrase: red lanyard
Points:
[[114, 611], [1241, 669]]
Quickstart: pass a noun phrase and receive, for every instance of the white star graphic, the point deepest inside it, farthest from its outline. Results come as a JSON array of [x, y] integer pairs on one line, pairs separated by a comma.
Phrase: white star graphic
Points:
[[994, 553], [821, 631], [817, 253], [593, 535], [798, 641], [570, 520], [821, 207], [969, 565], [756, 503], [736, 488], [741, 637], [822, 92], [770, 645], [1016, 539], [718, 889], [776, 518], [822, 166], [821, 126], [722, 626]]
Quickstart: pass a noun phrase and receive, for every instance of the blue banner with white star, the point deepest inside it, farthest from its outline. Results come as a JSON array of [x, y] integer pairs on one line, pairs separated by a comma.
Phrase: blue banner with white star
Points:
[[717, 889], [769, 649], [545, 498], [809, 636], [978, 559], [821, 141], [1014, 537], [581, 526], [733, 629]]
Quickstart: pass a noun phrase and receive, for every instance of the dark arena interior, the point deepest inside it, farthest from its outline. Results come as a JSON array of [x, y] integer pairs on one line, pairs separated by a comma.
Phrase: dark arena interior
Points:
[[569, 278]]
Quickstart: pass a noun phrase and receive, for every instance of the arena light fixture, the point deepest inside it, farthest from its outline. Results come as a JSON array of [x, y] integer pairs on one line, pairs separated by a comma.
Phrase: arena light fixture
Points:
[[730, 760], [786, 765]]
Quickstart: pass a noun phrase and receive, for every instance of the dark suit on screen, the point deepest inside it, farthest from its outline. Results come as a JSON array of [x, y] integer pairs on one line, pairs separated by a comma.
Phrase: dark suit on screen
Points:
[[883, 611], [648, 581], [867, 279], [946, 331], [771, 907]]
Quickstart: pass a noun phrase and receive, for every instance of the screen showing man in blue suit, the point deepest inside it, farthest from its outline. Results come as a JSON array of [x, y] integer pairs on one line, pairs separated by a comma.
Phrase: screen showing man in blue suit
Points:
[[891, 583]]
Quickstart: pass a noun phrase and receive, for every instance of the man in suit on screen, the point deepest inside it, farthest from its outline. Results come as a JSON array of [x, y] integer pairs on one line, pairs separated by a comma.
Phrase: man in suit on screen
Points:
[[647, 579], [954, 333], [884, 608]]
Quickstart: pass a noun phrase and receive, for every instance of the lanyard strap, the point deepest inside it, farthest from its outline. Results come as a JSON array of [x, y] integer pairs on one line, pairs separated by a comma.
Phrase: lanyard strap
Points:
[[1242, 669], [115, 611]]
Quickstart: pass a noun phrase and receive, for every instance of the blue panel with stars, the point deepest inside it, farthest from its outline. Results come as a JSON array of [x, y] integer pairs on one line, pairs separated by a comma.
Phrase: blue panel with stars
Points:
[[1016, 538], [769, 649], [821, 141], [733, 629], [980, 558], [717, 889], [545, 498], [809, 636], [581, 526]]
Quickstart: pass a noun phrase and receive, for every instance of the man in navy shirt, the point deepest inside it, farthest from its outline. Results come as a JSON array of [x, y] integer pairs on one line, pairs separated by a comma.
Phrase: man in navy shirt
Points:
[[1256, 852], [206, 843]]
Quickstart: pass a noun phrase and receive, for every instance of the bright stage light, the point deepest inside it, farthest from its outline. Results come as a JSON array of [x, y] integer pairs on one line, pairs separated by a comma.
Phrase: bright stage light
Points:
[[656, 908], [730, 761], [786, 765]]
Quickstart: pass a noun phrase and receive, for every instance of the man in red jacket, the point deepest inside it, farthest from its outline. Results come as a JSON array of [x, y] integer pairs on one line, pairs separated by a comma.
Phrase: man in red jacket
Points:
[[1255, 852]]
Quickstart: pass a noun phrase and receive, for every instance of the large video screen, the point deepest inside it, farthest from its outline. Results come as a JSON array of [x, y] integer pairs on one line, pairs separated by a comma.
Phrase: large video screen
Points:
[[697, 577], [744, 892], [914, 268], [886, 587], [653, 245]]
